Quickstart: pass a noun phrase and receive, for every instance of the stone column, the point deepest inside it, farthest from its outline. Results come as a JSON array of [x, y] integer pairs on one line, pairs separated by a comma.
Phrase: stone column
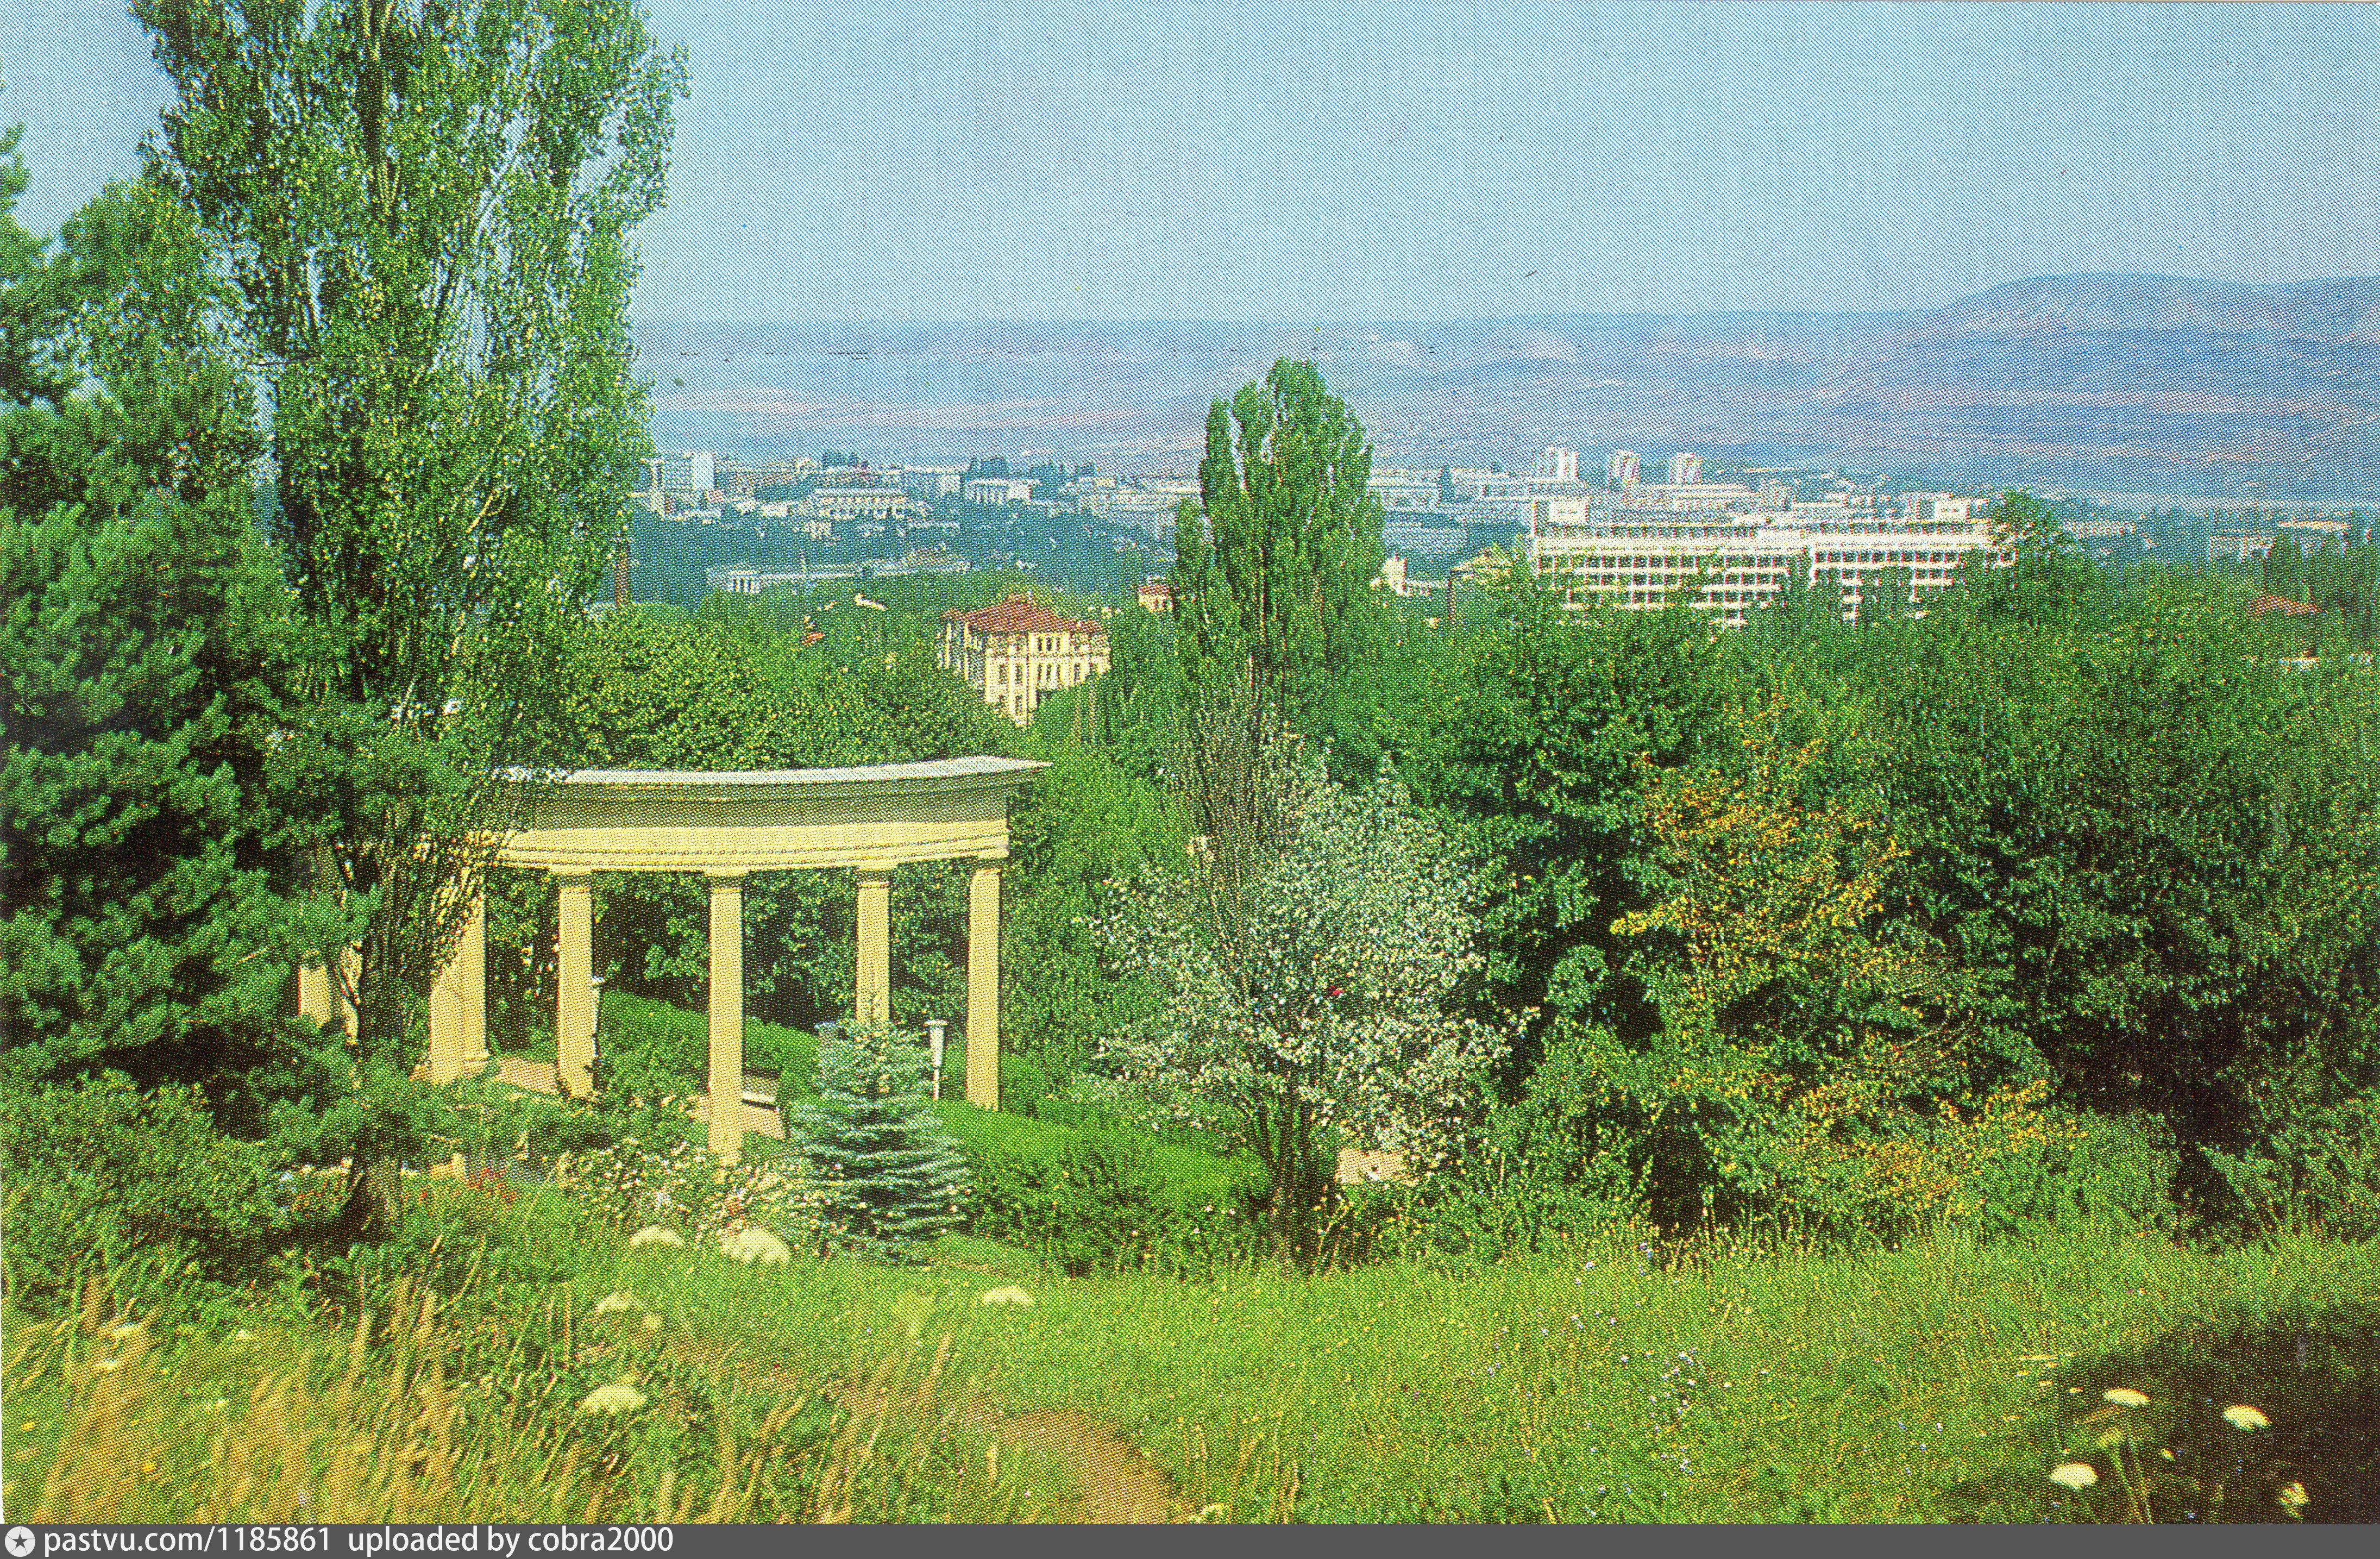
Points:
[[472, 965], [446, 1022], [983, 986], [314, 992], [727, 1015], [574, 1006], [871, 999], [450, 1008]]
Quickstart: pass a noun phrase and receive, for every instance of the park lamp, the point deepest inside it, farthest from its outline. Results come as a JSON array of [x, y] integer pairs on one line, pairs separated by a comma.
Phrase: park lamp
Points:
[[937, 1030]]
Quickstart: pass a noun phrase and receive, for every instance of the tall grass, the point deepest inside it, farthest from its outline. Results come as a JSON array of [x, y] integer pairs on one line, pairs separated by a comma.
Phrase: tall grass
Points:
[[1940, 1381]]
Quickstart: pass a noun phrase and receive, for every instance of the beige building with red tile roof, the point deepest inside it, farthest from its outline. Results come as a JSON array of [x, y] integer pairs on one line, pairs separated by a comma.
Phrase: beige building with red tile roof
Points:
[[1018, 651]]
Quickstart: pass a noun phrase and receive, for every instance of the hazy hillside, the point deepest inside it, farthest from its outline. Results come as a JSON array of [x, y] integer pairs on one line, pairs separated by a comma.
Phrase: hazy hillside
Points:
[[2144, 384]]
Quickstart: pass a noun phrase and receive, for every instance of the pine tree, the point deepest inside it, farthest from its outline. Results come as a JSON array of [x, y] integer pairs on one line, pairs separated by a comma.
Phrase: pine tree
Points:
[[892, 1173], [141, 890]]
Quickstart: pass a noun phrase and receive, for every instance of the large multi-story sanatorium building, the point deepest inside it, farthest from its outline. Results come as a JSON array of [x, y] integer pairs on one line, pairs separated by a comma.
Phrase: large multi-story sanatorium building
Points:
[[1018, 651], [1634, 549]]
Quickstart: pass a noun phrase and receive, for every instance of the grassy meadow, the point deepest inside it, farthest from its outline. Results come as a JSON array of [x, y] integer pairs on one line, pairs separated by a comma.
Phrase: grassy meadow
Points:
[[1941, 1381]]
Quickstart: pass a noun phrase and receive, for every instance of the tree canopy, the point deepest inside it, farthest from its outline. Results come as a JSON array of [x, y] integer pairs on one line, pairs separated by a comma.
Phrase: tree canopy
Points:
[[410, 241]]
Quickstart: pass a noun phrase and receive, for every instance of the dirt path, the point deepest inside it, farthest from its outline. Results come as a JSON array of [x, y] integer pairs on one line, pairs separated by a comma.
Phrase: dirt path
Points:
[[1119, 1483]]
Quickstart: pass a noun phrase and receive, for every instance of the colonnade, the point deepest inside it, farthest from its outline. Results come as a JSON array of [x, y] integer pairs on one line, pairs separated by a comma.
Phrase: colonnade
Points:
[[458, 1023], [727, 825]]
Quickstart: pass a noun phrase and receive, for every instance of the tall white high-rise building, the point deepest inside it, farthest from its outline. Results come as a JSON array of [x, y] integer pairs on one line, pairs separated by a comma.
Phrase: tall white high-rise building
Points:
[[1621, 471], [1685, 467], [691, 471], [1558, 464], [1641, 557]]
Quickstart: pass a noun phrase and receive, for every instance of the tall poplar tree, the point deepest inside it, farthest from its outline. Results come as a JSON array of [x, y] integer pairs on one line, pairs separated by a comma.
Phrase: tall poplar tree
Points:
[[1273, 572], [1273, 602], [415, 219]]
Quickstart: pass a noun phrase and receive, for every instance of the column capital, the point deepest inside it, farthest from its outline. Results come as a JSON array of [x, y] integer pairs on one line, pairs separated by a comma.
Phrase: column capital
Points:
[[993, 859]]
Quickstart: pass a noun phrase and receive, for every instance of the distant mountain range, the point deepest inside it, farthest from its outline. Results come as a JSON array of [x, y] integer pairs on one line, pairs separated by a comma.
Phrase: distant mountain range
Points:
[[2131, 384]]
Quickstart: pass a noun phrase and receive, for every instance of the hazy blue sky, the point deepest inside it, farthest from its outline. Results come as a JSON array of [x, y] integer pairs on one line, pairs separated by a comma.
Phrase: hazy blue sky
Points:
[[1377, 159]]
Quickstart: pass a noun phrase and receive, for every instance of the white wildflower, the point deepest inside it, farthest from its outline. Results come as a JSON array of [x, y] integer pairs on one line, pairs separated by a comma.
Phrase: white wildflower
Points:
[[617, 1398], [757, 1245], [2074, 1475]]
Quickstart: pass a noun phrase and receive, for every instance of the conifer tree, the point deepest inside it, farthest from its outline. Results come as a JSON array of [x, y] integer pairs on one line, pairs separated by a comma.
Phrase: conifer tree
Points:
[[140, 889], [892, 1174]]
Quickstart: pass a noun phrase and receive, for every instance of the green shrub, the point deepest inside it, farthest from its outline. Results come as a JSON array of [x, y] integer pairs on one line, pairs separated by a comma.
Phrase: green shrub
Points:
[[1103, 1201], [477, 1235], [103, 1177], [2096, 1174], [649, 1042], [1566, 1162], [2317, 1169]]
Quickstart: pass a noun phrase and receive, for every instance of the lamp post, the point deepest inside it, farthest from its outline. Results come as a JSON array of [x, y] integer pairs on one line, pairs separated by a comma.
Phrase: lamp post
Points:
[[595, 1023], [936, 1028]]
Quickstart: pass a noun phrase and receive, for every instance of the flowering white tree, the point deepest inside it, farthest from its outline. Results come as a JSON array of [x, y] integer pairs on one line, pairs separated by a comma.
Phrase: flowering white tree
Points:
[[1306, 985]]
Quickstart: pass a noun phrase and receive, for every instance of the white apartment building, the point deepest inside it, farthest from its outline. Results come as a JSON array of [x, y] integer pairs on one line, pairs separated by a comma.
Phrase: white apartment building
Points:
[[1636, 559], [1621, 470], [998, 490], [1395, 489], [1692, 495], [1685, 468], [740, 581], [933, 481], [1019, 651], [1558, 464], [833, 504], [690, 471]]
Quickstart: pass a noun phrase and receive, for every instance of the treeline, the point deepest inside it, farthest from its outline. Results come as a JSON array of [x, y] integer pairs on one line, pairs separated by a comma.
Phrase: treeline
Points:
[[2054, 902], [2058, 902]]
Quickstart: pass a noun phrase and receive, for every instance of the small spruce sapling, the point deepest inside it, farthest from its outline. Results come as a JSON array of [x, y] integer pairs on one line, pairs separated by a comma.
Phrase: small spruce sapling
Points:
[[891, 1174]]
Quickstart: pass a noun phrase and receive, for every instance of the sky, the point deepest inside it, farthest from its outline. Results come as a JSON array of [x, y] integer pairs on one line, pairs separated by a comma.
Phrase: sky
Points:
[[1371, 160]]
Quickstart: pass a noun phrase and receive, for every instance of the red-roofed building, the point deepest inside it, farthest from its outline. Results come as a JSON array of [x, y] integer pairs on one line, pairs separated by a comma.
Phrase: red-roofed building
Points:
[[1018, 650], [2264, 605], [1156, 596]]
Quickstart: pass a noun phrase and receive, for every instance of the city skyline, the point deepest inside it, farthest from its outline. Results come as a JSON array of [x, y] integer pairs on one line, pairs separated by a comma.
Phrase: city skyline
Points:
[[1212, 162]]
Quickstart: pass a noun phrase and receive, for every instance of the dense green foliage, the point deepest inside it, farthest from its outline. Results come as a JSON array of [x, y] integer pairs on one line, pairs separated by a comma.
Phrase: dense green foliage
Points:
[[145, 892], [408, 236], [2088, 823], [137, 1185], [1272, 581]]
